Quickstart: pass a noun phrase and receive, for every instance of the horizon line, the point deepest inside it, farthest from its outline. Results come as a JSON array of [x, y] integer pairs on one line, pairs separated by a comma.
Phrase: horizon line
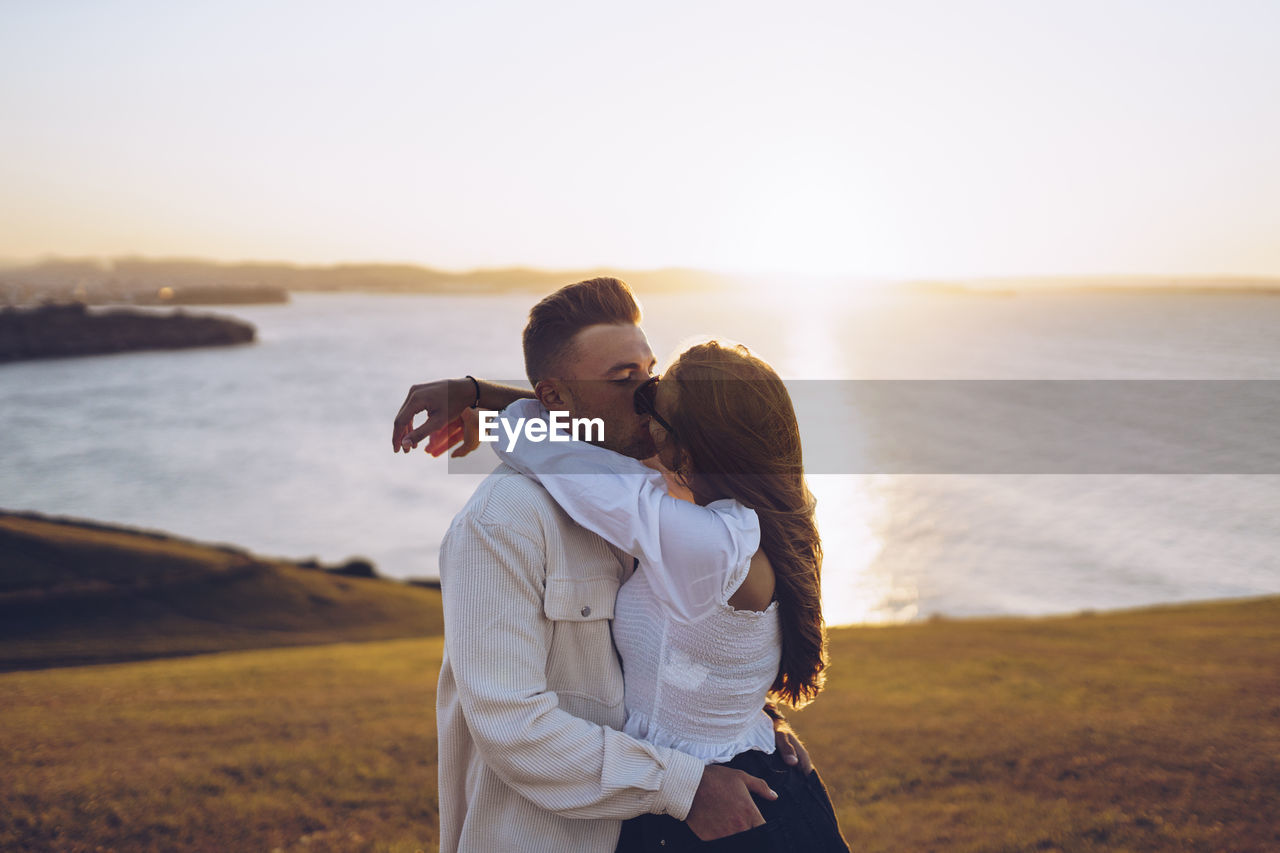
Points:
[[978, 279]]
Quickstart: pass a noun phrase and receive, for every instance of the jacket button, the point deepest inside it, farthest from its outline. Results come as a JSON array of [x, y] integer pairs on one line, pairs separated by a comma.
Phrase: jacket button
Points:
[[586, 610]]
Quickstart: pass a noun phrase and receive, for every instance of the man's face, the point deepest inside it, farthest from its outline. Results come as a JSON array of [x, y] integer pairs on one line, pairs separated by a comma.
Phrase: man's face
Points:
[[602, 369]]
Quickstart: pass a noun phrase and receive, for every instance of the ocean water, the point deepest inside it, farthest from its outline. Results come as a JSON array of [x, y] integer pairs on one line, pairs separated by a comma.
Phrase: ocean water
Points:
[[284, 447]]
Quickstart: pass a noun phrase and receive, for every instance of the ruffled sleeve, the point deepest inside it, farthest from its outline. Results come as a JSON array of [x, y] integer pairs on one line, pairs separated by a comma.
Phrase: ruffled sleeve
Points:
[[694, 556]]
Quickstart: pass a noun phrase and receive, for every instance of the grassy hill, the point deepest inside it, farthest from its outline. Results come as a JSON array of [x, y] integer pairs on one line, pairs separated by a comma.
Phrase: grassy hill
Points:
[[1147, 730], [76, 592]]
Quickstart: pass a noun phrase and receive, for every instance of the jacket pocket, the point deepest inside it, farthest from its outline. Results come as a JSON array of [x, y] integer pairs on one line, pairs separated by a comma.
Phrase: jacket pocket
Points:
[[582, 662], [580, 599]]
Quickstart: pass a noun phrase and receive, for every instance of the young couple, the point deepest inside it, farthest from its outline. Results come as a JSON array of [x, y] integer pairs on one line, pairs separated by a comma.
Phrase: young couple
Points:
[[705, 567]]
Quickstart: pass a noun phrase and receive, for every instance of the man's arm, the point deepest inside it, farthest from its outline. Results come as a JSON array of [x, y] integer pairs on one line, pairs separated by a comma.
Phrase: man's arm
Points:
[[498, 643], [445, 401]]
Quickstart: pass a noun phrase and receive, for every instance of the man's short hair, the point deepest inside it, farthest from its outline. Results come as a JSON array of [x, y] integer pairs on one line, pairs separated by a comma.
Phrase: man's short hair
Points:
[[555, 321]]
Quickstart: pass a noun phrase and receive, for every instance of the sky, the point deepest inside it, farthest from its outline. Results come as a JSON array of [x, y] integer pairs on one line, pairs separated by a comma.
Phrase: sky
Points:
[[915, 138]]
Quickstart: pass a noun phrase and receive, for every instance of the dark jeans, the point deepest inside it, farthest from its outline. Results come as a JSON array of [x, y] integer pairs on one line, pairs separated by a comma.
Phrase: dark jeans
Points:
[[802, 818]]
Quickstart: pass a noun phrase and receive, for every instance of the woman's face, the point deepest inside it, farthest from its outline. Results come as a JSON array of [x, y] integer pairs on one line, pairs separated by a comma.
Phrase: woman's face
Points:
[[664, 401]]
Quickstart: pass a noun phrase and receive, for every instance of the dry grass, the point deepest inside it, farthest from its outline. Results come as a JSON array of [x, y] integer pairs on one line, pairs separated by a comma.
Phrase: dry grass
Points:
[[318, 748], [1152, 730], [1149, 730]]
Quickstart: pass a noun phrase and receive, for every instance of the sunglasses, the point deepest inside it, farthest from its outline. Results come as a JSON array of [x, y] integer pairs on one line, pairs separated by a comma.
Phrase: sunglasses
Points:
[[644, 398]]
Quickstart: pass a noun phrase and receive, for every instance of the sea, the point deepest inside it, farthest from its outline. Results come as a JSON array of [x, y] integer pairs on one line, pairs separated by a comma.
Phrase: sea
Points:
[[284, 447]]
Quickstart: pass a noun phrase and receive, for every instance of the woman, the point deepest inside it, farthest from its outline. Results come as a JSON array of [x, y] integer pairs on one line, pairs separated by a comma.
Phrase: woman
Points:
[[724, 609]]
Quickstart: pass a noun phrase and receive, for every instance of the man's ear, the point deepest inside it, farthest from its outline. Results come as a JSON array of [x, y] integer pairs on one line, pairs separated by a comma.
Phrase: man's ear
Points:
[[552, 394]]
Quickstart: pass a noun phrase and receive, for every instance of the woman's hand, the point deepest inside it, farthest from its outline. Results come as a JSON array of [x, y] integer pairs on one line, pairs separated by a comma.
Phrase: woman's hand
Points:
[[674, 487], [790, 747]]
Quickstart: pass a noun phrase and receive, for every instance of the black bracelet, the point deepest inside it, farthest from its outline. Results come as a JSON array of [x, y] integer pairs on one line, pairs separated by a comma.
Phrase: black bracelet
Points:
[[773, 712], [476, 383]]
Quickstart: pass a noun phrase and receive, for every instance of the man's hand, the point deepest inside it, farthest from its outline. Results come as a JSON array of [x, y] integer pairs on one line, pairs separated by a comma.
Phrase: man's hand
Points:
[[790, 747], [723, 805], [447, 404]]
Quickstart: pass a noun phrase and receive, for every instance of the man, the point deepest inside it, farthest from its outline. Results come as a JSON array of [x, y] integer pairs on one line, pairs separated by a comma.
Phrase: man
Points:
[[529, 703]]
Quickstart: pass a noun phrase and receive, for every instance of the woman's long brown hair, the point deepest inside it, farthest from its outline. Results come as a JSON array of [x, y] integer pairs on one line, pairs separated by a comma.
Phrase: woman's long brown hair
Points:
[[737, 437]]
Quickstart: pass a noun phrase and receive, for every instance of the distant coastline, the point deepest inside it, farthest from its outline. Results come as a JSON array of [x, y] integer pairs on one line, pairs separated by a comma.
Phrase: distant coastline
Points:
[[227, 294], [143, 281], [189, 281], [1191, 285]]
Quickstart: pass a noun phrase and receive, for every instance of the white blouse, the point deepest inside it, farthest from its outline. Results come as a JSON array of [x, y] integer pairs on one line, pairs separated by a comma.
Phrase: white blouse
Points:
[[696, 670]]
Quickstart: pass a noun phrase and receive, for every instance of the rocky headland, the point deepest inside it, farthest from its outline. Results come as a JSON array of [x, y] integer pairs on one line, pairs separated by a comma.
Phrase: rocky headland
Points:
[[57, 331]]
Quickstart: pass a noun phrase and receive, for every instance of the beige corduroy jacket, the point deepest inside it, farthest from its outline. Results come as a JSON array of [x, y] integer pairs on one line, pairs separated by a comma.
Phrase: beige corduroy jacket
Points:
[[529, 703]]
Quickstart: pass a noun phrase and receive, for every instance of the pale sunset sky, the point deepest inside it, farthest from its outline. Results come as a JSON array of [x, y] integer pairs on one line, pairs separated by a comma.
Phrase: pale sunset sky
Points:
[[887, 139]]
